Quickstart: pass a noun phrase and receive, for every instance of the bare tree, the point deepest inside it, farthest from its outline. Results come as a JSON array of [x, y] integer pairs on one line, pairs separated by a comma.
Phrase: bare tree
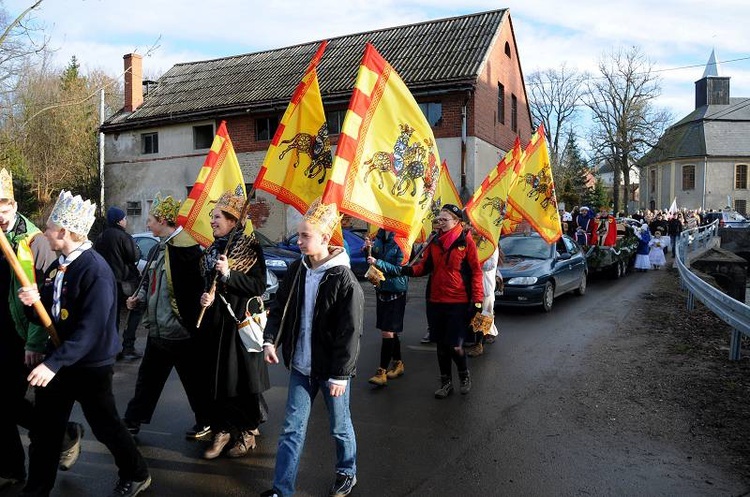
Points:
[[625, 121], [17, 44], [555, 99]]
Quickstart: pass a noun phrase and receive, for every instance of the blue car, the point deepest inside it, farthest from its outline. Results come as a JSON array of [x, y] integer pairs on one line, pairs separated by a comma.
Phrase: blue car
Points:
[[535, 272], [355, 242], [277, 258]]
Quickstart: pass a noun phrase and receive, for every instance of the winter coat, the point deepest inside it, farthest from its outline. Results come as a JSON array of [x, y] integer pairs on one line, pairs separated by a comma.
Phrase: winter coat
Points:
[[120, 251], [337, 319], [389, 257]]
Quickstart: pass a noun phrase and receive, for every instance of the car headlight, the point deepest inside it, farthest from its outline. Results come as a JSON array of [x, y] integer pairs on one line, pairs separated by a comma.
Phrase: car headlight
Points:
[[522, 280], [275, 263]]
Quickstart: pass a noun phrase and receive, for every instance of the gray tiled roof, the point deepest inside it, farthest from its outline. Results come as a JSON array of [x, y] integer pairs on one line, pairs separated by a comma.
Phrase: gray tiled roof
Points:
[[710, 130], [429, 56]]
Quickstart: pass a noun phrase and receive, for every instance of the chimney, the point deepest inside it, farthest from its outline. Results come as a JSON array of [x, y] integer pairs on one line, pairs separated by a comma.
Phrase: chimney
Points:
[[133, 81]]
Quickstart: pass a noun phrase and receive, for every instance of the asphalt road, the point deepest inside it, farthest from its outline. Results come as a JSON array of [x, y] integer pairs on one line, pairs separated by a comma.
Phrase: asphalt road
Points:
[[515, 434]]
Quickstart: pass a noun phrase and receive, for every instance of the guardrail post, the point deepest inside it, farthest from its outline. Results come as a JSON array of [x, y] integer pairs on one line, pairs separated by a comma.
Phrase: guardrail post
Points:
[[735, 345], [690, 301]]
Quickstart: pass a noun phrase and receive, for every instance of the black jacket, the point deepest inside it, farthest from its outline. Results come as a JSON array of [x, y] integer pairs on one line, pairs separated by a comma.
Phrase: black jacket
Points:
[[336, 325], [120, 251]]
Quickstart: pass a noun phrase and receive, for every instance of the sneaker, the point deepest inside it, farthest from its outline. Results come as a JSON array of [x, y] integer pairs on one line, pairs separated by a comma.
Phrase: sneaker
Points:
[[396, 370], [271, 493], [128, 488], [198, 432], [69, 456], [133, 426], [475, 350], [131, 354], [426, 338], [380, 379], [343, 485], [465, 382], [446, 388]]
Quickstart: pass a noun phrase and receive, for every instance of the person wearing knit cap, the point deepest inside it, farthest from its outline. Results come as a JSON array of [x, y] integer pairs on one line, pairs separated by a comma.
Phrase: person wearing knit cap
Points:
[[121, 253], [80, 294]]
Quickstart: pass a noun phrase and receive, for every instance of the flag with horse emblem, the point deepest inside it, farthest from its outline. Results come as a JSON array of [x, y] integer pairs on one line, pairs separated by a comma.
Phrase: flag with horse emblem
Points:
[[445, 193], [220, 172], [533, 196], [387, 165], [487, 208]]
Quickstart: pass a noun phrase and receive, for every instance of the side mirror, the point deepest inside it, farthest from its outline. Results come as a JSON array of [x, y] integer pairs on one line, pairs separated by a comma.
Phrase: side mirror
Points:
[[564, 256]]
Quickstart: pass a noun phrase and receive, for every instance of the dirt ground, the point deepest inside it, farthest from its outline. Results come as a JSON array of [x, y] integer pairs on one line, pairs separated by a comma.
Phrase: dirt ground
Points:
[[669, 375]]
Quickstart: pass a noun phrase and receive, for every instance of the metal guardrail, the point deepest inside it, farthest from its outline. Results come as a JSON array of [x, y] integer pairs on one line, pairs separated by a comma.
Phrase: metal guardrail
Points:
[[729, 310]]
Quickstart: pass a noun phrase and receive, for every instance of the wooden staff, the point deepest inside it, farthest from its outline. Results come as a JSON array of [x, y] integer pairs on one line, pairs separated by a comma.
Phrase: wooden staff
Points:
[[10, 256], [239, 226], [423, 248]]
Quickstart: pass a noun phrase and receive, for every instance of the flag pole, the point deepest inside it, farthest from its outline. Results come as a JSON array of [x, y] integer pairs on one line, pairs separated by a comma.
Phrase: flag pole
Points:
[[239, 226], [24, 280]]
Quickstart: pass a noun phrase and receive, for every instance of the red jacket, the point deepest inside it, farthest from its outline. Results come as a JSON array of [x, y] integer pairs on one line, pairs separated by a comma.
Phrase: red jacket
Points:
[[455, 273]]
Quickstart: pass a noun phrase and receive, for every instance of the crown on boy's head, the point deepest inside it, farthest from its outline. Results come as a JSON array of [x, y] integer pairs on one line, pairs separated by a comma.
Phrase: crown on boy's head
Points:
[[73, 213], [165, 208], [6, 184], [324, 217]]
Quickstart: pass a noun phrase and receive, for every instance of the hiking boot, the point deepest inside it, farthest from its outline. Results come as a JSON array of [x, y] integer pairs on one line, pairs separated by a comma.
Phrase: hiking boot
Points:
[[465, 378], [221, 440], [380, 379], [343, 485], [69, 455], [127, 488], [199, 432], [245, 443], [475, 350], [446, 387], [396, 370]]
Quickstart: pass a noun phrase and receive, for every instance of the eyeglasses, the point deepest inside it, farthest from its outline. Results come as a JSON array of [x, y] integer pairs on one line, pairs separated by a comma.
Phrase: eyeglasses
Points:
[[443, 219]]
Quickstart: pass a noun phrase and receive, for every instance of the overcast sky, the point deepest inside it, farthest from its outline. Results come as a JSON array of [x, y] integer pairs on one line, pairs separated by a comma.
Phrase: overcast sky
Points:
[[677, 36]]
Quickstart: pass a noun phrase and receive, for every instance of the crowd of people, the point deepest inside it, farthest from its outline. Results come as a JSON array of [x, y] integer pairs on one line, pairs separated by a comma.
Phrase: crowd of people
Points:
[[191, 301]]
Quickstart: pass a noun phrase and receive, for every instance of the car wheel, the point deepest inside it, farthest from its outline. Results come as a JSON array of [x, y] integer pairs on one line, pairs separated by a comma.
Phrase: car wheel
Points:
[[617, 271], [548, 297], [581, 290]]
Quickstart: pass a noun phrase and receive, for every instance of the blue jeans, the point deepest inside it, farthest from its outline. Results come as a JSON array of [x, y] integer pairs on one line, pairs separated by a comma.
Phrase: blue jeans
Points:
[[302, 392]]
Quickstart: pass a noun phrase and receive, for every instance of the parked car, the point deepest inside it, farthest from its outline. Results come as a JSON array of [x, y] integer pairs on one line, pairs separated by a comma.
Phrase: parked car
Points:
[[355, 240], [535, 272], [278, 259], [727, 219], [146, 241]]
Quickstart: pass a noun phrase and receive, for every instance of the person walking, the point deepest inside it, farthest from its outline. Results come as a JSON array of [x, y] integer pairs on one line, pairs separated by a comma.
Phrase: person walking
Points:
[[390, 304], [80, 293], [675, 226], [454, 295], [171, 294], [238, 377], [642, 261], [22, 341], [121, 253], [318, 325]]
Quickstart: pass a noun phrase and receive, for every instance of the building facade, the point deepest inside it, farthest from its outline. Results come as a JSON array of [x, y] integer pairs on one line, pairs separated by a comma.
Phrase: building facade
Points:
[[463, 71]]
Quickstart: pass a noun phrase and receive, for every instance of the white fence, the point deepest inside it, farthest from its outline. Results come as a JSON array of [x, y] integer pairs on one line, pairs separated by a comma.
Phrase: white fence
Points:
[[731, 311]]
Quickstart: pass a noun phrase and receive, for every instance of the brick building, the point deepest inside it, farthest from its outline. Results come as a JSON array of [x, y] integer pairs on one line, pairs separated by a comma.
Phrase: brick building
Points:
[[703, 159], [464, 72]]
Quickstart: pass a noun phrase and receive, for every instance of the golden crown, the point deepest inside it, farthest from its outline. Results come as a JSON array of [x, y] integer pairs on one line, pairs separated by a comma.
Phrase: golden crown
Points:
[[6, 184], [232, 202], [73, 213], [165, 208], [324, 217]]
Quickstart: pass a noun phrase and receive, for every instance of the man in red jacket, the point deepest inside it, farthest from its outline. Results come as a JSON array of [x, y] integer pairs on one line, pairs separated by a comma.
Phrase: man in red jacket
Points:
[[454, 295]]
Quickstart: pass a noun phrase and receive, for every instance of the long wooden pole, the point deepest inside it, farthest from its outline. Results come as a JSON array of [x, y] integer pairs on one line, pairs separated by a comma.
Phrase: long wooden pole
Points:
[[46, 321]]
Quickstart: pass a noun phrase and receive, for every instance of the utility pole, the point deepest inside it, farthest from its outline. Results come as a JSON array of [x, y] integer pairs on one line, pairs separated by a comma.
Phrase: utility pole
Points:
[[101, 154]]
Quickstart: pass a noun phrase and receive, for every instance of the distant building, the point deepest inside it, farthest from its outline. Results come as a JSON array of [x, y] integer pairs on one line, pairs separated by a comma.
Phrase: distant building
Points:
[[630, 194], [703, 159], [463, 71]]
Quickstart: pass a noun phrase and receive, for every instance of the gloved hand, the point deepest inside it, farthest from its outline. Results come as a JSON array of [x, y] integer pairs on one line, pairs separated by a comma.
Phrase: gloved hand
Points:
[[407, 271], [476, 308]]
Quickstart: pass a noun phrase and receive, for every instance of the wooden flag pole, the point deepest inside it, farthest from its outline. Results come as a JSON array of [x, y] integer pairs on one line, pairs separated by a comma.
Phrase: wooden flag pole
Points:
[[46, 321]]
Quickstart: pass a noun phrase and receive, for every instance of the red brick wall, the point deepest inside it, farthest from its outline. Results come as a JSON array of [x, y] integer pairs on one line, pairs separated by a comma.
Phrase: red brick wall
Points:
[[499, 68]]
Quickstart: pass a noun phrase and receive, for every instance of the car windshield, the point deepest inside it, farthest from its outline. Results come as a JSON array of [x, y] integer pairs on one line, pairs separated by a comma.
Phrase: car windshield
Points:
[[263, 239], [531, 247]]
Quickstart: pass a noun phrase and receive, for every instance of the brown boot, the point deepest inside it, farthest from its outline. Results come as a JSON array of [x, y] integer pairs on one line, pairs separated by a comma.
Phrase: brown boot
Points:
[[221, 439], [475, 350], [245, 443], [380, 379], [396, 370]]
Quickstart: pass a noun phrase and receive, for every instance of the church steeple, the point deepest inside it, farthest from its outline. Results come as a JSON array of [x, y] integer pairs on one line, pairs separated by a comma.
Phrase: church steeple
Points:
[[712, 89]]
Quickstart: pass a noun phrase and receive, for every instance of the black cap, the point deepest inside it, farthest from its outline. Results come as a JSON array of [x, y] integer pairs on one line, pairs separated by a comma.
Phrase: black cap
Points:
[[453, 209]]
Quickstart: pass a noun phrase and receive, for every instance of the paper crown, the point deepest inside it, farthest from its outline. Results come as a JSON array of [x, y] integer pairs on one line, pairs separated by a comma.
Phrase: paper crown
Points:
[[324, 217], [165, 208], [6, 184], [73, 213], [232, 202]]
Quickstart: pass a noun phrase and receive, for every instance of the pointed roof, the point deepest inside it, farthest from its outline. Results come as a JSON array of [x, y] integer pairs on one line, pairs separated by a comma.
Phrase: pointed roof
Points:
[[712, 66], [433, 56]]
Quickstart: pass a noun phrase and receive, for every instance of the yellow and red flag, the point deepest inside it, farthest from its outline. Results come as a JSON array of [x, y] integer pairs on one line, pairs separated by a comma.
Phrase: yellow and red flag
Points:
[[445, 193], [533, 197], [487, 208], [220, 172], [386, 150]]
